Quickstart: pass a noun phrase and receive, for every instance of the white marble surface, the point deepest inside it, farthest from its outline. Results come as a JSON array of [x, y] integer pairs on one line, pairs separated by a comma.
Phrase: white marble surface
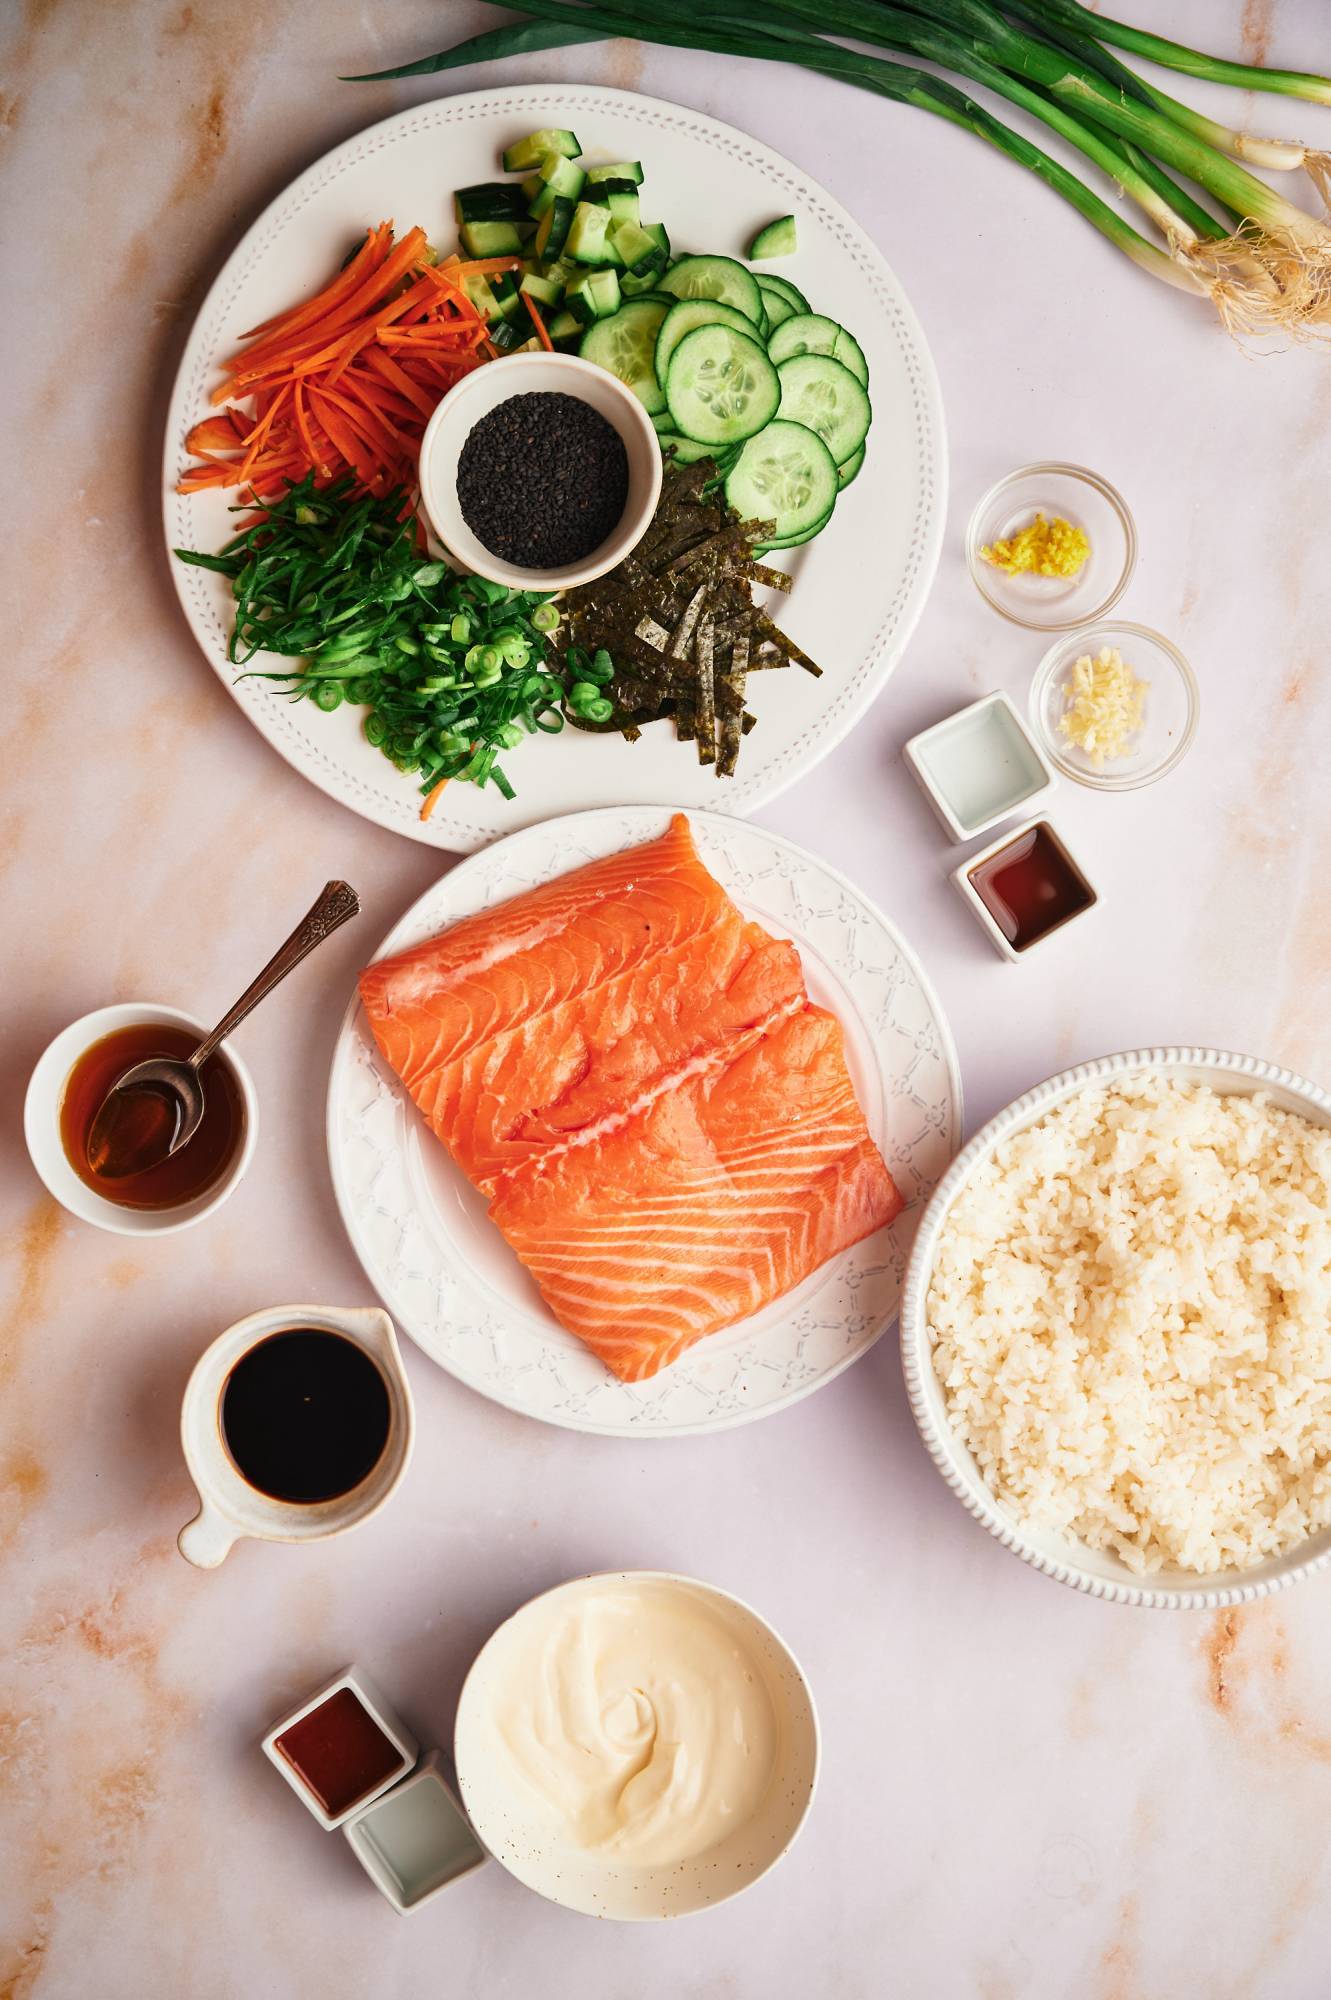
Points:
[[1024, 1793]]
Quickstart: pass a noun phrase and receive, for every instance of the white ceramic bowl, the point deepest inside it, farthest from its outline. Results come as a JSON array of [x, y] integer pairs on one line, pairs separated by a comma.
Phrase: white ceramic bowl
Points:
[[41, 1125], [537, 375], [597, 1888], [1099, 1573]]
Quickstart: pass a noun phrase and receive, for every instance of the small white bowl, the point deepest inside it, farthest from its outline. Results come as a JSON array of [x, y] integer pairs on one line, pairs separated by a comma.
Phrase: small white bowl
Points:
[[621, 1890], [1098, 1572], [537, 375], [984, 916], [41, 1125], [442, 1853], [1169, 712], [387, 1721], [988, 736]]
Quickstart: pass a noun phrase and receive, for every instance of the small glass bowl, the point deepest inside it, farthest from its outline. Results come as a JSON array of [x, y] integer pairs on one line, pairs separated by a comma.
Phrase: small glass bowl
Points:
[[1170, 710], [1069, 492]]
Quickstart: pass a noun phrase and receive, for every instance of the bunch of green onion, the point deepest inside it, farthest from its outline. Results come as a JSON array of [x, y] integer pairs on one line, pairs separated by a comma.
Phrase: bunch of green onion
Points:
[[1264, 261], [452, 670]]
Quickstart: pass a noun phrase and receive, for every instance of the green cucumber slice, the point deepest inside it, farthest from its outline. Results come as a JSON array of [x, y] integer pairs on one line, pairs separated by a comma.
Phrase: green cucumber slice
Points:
[[824, 396], [589, 234], [618, 170], [845, 473], [529, 152], [684, 315], [776, 240], [769, 281], [488, 201], [556, 223], [810, 333], [776, 305], [624, 345], [561, 174], [716, 278], [721, 387], [688, 450], [785, 475], [490, 239]]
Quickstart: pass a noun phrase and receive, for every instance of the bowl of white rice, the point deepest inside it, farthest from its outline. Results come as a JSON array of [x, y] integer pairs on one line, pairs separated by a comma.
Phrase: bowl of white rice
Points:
[[1116, 1327]]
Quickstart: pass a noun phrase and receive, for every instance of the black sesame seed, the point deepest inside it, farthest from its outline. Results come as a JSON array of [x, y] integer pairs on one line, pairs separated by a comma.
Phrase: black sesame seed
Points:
[[542, 480]]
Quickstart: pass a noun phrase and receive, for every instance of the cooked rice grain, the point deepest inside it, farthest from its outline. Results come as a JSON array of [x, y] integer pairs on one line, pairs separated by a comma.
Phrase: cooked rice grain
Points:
[[1131, 1316]]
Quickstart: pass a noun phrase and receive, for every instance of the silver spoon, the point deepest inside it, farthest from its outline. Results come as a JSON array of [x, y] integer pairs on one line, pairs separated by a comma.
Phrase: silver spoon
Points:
[[155, 1108]]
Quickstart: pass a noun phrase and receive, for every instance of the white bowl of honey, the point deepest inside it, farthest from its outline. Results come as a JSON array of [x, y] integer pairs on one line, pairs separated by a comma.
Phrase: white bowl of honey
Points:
[[67, 1087]]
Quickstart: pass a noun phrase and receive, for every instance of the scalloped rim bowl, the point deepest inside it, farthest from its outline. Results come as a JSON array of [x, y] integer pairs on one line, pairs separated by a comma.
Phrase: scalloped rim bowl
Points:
[[1094, 1571]]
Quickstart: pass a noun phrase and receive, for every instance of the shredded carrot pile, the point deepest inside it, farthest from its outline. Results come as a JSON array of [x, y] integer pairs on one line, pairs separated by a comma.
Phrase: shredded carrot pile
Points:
[[346, 382]]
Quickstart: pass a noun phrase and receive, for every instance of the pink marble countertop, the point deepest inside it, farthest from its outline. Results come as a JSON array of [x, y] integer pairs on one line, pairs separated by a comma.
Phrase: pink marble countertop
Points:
[[1025, 1793]]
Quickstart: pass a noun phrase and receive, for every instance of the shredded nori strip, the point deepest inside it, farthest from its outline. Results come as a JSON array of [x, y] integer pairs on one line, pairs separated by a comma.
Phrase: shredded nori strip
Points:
[[679, 621]]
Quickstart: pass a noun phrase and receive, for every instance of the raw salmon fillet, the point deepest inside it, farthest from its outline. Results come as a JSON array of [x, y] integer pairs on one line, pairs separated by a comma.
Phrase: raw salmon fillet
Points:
[[633, 1073]]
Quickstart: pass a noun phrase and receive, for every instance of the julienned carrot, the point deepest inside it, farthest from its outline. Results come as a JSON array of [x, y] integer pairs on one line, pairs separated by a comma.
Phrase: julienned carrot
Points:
[[539, 324], [431, 799], [346, 380]]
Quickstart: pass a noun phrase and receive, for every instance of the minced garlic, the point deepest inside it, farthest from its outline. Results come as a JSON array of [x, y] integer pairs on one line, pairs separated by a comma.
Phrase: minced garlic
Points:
[[1041, 548], [1104, 700]]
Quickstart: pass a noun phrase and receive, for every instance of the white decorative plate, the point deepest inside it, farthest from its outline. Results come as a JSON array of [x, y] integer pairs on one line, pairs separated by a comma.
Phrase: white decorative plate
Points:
[[451, 1281], [859, 587]]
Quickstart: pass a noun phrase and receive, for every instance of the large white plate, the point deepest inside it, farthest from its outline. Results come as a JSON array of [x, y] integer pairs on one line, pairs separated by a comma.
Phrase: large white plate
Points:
[[447, 1275], [859, 587]]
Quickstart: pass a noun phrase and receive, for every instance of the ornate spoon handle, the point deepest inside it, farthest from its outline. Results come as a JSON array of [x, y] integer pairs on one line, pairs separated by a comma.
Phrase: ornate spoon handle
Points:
[[336, 903]]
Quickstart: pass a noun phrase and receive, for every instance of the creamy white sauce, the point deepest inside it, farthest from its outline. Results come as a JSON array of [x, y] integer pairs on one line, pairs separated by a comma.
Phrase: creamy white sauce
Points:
[[638, 1721]]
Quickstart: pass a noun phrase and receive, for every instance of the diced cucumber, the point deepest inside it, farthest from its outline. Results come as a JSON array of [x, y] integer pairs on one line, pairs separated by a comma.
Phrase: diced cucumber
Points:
[[564, 326], [481, 293], [776, 305], [510, 334], [489, 201], [562, 175], [720, 385], [769, 281], [824, 396], [785, 475], [490, 239], [625, 208], [636, 250], [611, 191], [810, 333], [505, 290], [657, 232], [529, 152], [845, 473], [716, 278], [543, 199], [531, 187], [552, 236], [620, 170], [776, 240], [624, 346], [545, 291], [593, 296], [589, 234], [684, 315], [633, 288]]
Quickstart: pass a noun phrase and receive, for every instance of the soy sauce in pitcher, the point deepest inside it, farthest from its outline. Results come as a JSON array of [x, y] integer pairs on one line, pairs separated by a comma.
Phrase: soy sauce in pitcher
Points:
[[305, 1415]]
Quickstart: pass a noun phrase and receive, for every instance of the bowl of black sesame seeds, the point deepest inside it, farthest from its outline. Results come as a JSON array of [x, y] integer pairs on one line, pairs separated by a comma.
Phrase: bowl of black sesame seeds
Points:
[[540, 471]]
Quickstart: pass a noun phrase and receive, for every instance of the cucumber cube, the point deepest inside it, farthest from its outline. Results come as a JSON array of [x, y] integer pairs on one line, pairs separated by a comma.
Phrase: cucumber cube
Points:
[[529, 152]]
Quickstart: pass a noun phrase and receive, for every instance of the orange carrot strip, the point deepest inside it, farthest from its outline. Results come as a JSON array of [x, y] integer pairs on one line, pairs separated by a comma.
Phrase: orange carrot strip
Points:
[[539, 324], [431, 799]]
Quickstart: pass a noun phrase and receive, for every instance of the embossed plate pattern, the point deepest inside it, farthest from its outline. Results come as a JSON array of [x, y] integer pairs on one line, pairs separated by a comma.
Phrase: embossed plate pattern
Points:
[[711, 185], [451, 1282]]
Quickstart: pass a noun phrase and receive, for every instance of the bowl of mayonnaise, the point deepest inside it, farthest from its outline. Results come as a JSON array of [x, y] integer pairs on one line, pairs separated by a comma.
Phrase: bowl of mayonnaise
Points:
[[636, 1745]]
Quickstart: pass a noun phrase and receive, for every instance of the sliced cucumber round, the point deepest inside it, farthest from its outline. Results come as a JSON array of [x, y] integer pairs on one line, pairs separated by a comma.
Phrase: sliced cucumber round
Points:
[[776, 305], [810, 333], [624, 345], [825, 397], [716, 278], [688, 450], [769, 281], [845, 473], [721, 387], [785, 475], [797, 541], [684, 315]]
